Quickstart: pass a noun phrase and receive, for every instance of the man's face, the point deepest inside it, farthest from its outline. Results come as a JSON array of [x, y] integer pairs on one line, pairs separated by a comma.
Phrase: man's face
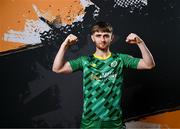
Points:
[[102, 40]]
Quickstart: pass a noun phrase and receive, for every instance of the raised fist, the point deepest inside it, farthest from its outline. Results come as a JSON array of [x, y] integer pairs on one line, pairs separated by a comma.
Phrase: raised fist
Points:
[[133, 39], [70, 39]]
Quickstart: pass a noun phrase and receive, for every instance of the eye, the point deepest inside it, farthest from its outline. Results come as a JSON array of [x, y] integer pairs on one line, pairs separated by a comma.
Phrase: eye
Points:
[[106, 36], [98, 35]]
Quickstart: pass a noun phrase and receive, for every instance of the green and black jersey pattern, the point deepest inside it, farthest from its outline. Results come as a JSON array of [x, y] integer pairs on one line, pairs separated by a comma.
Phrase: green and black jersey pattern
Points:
[[102, 83]]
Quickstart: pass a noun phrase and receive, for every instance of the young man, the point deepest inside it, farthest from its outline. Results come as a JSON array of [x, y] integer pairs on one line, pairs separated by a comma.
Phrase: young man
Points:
[[102, 75]]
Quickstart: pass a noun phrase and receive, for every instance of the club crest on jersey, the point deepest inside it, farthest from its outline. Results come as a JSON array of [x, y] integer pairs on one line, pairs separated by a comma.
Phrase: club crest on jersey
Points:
[[114, 64]]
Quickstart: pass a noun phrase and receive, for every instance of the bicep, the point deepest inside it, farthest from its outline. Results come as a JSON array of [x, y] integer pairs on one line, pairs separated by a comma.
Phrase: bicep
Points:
[[142, 65], [66, 68]]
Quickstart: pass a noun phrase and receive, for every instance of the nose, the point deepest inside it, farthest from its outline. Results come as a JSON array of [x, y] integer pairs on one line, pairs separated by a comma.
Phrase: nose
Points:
[[102, 38]]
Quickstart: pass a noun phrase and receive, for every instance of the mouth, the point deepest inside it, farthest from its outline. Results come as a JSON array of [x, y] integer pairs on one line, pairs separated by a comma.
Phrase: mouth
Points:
[[102, 43], [103, 46]]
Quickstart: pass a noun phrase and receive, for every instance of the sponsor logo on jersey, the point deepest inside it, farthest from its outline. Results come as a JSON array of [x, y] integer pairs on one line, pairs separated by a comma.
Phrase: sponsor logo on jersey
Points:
[[93, 65]]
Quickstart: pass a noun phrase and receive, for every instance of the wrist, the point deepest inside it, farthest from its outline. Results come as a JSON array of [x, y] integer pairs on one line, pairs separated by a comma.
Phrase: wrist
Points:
[[140, 42], [64, 45]]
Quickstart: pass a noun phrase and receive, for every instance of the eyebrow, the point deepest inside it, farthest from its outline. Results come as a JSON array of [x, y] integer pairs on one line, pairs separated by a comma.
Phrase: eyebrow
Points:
[[101, 34], [98, 34]]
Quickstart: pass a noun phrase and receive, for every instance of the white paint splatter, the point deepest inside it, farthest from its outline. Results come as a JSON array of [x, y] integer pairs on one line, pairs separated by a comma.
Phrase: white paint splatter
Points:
[[142, 125], [33, 28], [31, 33], [96, 12], [86, 3], [126, 3], [144, 1], [79, 18], [36, 10]]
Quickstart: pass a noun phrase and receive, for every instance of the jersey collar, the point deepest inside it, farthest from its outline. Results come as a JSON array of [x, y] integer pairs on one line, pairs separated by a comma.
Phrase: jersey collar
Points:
[[101, 58]]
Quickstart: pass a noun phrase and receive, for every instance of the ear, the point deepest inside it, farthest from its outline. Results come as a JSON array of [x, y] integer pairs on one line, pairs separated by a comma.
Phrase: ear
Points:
[[112, 37], [92, 38]]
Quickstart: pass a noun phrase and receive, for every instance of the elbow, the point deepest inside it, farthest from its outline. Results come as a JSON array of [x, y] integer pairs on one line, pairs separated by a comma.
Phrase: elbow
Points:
[[55, 70], [151, 66], [61, 70]]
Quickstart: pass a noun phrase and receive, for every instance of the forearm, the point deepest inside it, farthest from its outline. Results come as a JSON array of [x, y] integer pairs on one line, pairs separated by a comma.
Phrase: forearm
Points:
[[146, 55]]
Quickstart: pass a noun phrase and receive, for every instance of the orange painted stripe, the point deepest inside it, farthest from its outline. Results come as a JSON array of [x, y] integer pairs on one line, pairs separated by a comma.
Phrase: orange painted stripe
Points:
[[166, 120], [13, 14]]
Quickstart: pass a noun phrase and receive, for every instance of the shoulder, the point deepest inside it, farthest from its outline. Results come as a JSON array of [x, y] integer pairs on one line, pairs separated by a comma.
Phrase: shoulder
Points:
[[84, 58], [120, 55], [123, 55]]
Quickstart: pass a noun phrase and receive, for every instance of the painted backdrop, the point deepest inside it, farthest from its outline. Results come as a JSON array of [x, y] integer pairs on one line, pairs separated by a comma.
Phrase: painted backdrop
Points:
[[32, 31]]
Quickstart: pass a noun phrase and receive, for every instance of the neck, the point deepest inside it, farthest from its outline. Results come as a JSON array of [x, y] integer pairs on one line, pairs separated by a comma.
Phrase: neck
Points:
[[103, 54]]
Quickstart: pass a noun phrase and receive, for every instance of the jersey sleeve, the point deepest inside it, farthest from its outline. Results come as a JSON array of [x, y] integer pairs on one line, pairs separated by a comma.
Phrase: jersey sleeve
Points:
[[129, 61], [76, 64]]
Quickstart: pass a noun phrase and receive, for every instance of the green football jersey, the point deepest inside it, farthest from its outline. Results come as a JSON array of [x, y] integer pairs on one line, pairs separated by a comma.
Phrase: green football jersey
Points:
[[102, 84]]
